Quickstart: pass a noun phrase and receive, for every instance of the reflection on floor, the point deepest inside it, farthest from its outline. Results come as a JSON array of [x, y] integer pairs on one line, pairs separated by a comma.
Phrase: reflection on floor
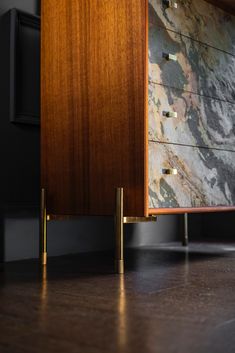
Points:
[[171, 299]]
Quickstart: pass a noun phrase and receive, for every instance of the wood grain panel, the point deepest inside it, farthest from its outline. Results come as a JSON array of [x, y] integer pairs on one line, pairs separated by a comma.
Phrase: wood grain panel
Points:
[[182, 210], [93, 132]]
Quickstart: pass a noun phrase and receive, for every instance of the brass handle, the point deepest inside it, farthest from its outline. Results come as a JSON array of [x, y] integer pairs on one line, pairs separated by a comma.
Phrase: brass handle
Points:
[[170, 171], [170, 3], [170, 114], [169, 57]]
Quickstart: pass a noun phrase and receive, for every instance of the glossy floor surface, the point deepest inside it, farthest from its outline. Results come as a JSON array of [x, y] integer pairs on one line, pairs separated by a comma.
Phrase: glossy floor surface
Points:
[[170, 300]]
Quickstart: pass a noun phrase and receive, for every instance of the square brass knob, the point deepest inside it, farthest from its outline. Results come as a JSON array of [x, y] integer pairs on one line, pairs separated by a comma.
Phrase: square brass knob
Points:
[[170, 114], [169, 56], [170, 171], [170, 4]]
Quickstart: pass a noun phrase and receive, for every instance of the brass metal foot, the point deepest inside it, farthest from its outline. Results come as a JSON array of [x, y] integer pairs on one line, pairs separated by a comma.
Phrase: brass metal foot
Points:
[[119, 265], [43, 229], [119, 220]]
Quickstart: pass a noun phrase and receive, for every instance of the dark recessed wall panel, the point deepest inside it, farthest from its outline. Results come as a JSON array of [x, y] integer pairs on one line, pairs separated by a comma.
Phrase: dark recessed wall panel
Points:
[[24, 67]]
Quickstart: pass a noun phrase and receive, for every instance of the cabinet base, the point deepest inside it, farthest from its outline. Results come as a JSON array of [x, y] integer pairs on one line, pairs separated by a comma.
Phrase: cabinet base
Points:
[[120, 220]]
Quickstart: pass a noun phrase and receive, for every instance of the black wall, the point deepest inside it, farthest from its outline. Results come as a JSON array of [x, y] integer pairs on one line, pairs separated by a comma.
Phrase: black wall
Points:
[[212, 226], [19, 173], [19, 144]]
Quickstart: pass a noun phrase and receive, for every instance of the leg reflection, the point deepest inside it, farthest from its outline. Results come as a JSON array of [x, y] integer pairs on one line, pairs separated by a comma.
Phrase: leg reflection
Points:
[[44, 294], [186, 265], [122, 315]]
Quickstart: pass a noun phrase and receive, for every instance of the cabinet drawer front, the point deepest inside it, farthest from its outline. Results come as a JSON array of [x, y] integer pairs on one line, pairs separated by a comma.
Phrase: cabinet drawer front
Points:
[[200, 121], [205, 177], [198, 20], [199, 68]]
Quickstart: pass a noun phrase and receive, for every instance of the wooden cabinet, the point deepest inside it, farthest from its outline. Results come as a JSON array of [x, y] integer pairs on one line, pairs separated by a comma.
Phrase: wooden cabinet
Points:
[[94, 126], [118, 111]]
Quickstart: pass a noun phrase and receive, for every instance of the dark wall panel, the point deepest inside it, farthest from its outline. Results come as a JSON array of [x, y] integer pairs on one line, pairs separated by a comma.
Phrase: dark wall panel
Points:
[[19, 152], [19, 178]]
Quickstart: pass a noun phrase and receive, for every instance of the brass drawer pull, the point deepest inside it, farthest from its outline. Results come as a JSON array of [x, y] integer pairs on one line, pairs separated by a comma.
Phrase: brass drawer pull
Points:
[[170, 3], [169, 57], [170, 171], [170, 114]]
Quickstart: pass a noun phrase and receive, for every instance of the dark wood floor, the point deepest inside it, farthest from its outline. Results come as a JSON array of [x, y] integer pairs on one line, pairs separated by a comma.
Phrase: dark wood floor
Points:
[[170, 300]]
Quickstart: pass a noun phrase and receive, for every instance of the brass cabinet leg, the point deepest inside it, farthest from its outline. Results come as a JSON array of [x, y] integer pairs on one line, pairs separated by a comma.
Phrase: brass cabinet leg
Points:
[[119, 261], [185, 233], [43, 229]]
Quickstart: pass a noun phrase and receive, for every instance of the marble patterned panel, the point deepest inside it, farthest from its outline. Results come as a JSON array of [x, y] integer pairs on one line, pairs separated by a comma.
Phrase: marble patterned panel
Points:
[[199, 68], [201, 121], [198, 20], [206, 177]]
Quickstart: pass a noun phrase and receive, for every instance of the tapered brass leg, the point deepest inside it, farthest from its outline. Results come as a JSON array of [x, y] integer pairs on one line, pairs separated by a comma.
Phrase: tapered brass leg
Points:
[[119, 261], [185, 233], [43, 229]]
